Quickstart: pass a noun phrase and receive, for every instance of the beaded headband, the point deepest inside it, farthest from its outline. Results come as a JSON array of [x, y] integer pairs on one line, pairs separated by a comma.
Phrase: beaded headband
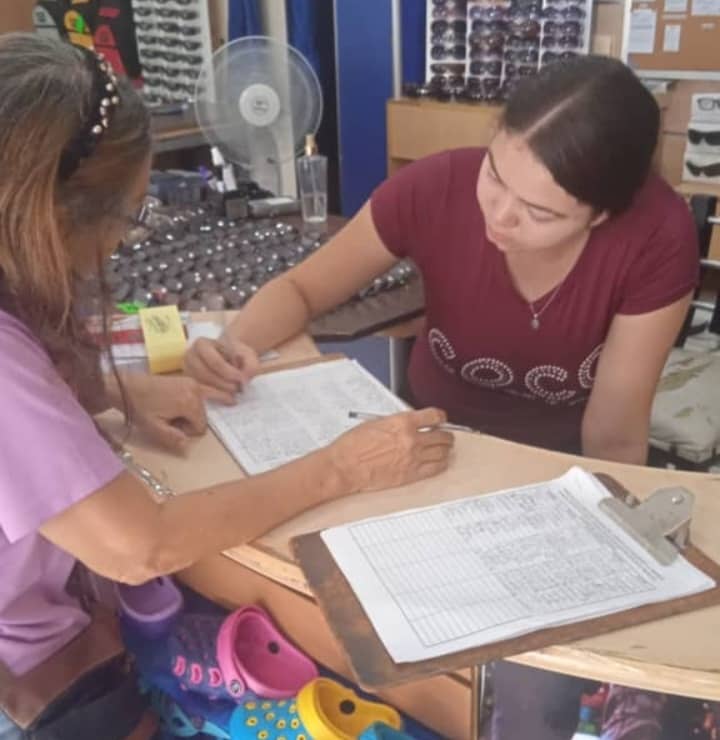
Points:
[[103, 100]]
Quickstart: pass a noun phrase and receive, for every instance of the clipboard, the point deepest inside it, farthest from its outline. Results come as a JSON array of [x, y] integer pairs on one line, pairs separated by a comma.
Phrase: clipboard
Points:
[[373, 667]]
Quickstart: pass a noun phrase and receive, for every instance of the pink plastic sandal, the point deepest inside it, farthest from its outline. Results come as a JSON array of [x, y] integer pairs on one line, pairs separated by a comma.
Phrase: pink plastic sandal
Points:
[[254, 656]]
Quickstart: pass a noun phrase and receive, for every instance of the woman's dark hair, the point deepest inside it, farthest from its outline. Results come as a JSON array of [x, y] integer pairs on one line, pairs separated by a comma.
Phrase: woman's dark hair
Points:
[[48, 92], [592, 123]]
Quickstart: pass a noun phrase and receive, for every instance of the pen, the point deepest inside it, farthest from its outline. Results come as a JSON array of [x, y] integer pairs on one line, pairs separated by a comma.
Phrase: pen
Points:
[[365, 416]]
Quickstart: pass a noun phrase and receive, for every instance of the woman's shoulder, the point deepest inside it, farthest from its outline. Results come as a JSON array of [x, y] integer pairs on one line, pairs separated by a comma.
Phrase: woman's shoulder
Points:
[[21, 354]]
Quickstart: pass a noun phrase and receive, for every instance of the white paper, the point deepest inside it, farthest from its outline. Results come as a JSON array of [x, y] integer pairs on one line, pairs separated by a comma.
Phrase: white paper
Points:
[[203, 329], [467, 573], [284, 415], [676, 6], [643, 23], [705, 7], [213, 330], [671, 37]]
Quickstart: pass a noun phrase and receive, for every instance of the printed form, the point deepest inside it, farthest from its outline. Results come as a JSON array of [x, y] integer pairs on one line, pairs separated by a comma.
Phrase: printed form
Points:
[[445, 578], [286, 414]]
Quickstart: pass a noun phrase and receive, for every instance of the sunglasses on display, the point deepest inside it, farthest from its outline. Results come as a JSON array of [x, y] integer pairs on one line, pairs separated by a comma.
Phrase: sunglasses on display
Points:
[[489, 39], [447, 69], [486, 26], [169, 56], [565, 28], [449, 37], [491, 67], [572, 13], [568, 41], [487, 13], [708, 104], [169, 84], [442, 52], [163, 41], [527, 56], [447, 82], [525, 29], [456, 27], [549, 57], [519, 70], [175, 28], [517, 42], [709, 137], [184, 15], [707, 170], [456, 6]]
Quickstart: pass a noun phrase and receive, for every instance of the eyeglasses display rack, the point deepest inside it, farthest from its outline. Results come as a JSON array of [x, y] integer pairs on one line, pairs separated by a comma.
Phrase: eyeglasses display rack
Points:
[[174, 43], [504, 40]]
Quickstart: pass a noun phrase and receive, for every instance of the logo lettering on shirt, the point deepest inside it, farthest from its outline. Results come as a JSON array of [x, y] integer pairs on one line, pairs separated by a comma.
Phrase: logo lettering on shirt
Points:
[[487, 372], [441, 350], [543, 382]]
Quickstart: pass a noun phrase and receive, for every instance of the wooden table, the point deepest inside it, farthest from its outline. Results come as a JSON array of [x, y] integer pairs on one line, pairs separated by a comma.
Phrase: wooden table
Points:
[[679, 655]]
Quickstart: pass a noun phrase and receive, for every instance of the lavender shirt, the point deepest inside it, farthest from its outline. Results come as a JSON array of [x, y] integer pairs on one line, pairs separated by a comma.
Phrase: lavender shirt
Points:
[[51, 456]]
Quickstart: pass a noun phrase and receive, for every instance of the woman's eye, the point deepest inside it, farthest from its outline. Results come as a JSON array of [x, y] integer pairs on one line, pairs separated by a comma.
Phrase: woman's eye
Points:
[[540, 217]]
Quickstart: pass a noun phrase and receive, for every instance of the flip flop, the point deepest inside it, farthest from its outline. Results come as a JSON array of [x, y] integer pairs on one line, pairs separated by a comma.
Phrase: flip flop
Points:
[[254, 656], [323, 710]]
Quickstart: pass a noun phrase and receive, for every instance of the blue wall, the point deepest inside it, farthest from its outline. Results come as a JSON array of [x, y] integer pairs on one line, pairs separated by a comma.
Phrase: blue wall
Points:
[[364, 72]]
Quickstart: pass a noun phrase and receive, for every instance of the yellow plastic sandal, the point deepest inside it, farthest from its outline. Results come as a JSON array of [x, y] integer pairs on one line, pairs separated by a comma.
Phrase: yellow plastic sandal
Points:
[[330, 711]]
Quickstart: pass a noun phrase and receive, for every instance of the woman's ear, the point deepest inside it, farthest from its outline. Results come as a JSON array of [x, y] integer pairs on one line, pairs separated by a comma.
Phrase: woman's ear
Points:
[[600, 218]]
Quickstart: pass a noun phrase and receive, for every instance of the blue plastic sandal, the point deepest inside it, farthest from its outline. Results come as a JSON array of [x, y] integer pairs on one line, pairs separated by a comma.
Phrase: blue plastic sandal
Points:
[[192, 719], [323, 710], [381, 731]]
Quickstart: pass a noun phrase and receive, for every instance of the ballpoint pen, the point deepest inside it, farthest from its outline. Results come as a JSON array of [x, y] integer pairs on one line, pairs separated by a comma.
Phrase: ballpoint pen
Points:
[[365, 416]]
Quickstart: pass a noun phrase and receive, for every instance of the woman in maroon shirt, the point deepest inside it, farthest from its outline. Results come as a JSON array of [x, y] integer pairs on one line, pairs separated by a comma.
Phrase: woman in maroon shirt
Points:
[[558, 270]]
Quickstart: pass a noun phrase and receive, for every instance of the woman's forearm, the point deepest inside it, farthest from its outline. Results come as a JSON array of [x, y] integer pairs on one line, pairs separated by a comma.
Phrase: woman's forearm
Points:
[[276, 313]]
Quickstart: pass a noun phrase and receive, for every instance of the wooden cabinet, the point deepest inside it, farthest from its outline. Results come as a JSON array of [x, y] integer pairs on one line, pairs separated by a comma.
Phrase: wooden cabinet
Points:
[[416, 128]]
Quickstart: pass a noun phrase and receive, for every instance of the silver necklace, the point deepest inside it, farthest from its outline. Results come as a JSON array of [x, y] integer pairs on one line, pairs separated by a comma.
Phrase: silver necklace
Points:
[[535, 320]]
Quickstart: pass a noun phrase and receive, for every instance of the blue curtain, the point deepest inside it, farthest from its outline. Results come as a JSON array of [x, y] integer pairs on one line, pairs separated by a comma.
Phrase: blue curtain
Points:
[[302, 25], [243, 19]]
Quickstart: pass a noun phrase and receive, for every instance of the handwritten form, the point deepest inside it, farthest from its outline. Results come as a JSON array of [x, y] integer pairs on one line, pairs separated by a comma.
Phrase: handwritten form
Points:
[[479, 570], [287, 414]]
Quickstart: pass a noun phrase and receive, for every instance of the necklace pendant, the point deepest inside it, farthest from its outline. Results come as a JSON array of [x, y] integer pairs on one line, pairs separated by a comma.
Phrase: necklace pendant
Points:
[[535, 323]]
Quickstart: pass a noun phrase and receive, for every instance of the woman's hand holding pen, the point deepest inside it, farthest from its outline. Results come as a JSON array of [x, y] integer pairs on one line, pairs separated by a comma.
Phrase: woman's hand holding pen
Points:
[[225, 364], [392, 451]]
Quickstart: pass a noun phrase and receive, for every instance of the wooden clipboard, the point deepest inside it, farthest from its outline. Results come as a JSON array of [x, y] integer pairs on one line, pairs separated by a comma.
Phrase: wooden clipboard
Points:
[[374, 668]]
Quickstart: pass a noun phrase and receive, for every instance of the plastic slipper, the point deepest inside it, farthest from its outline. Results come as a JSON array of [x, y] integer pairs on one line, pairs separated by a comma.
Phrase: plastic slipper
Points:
[[179, 721], [193, 647], [323, 710], [254, 656], [381, 731], [151, 608]]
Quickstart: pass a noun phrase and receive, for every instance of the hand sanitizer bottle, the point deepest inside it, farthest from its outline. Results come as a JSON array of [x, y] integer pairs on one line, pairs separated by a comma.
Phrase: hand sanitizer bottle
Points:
[[312, 183]]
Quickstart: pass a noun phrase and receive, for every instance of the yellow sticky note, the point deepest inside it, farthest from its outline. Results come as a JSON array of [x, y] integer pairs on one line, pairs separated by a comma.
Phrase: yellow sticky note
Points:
[[164, 338]]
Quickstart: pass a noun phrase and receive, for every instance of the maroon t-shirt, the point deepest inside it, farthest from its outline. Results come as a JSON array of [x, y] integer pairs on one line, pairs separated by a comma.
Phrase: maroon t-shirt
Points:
[[478, 357]]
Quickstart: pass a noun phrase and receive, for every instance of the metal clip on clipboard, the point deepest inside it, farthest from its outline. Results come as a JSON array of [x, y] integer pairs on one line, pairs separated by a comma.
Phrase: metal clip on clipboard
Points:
[[660, 523]]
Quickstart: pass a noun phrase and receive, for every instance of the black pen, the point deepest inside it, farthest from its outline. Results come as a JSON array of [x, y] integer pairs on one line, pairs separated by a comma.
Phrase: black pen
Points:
[[365, 416]]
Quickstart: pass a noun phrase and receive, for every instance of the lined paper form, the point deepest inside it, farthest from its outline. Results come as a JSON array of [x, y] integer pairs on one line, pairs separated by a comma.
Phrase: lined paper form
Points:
[[286, 414], [479, 570]]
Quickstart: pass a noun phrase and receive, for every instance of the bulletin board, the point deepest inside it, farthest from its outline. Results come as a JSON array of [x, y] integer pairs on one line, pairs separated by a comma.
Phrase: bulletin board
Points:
[[673, 38]]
